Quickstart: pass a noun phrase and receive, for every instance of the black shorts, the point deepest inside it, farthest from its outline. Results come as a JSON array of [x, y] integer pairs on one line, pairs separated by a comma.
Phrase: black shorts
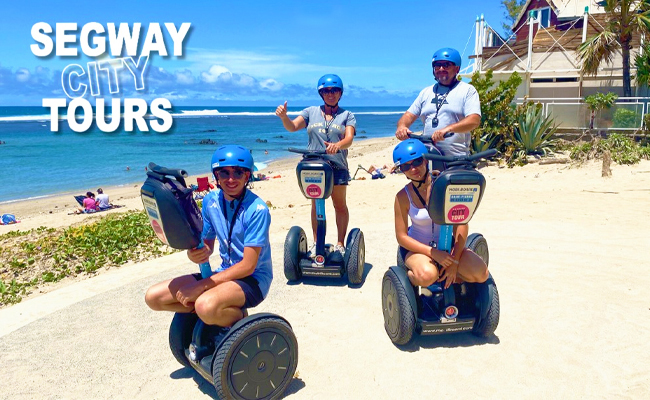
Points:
[[251, 289], [341, 176]]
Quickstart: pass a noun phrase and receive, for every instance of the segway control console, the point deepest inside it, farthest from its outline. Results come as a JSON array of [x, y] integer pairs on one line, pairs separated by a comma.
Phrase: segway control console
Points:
[[316, 181], [256, 357]]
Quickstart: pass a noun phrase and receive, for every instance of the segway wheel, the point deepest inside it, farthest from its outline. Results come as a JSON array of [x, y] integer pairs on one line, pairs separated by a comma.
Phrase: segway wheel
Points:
[[295, 247], [477, 243], [257, 361], [399, 319], [400, 259], [489, 324], [180, 335], [356, 259]]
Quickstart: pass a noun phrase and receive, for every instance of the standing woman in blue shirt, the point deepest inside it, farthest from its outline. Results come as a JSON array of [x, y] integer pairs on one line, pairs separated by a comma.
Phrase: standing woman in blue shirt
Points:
[[330, 128]]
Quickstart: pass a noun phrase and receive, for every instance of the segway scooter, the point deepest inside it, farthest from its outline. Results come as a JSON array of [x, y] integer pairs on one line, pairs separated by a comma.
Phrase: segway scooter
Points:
[[316, 180], [455, 196], [254, 359]]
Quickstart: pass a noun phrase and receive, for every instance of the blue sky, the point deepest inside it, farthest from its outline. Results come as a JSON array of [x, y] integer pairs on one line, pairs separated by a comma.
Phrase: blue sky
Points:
[[256, 52]]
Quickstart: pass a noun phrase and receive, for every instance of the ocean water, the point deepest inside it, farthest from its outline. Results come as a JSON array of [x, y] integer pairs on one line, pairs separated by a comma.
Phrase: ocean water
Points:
[[36, 162]]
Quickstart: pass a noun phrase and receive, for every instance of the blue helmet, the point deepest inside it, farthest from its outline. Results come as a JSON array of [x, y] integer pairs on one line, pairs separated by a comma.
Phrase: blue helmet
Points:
[[447, 54], [408, 150], [330, 80], [232, 155]]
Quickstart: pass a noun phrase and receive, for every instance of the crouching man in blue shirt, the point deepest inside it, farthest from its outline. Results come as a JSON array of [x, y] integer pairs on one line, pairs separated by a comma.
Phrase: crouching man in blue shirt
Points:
[[240, 221]]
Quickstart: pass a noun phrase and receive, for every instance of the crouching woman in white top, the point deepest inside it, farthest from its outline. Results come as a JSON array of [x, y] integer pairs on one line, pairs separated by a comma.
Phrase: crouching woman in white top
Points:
[[425, 263]]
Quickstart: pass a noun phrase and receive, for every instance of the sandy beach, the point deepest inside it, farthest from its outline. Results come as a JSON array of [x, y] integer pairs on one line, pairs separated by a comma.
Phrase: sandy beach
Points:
[[568, 251]]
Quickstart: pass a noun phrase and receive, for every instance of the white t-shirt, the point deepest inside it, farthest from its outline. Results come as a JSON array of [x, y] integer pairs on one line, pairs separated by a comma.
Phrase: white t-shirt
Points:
[[102, 201], [454, 105]]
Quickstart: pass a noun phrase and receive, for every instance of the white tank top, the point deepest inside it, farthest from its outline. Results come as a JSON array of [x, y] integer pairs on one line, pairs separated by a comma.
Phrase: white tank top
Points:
[[421, 223]]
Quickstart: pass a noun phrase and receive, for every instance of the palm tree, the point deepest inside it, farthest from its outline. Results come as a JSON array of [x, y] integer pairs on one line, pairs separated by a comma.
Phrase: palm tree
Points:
[[625, 18]]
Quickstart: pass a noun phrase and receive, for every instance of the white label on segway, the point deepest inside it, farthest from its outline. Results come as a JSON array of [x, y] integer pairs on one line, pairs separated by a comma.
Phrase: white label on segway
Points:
[[153, 212], [313, 183], [460, 203]]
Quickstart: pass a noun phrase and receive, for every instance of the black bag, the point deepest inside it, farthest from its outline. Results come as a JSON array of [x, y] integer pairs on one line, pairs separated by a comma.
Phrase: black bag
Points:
[[172, 211]]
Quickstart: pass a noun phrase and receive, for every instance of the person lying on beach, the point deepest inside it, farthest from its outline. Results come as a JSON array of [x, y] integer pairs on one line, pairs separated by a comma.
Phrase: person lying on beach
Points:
[[240, 220], [89, 204], [425, 263]]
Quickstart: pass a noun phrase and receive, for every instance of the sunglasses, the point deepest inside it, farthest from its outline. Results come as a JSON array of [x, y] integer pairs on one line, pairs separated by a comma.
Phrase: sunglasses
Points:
[[445, 65], [330, 90], [407, 166], [236, 173]]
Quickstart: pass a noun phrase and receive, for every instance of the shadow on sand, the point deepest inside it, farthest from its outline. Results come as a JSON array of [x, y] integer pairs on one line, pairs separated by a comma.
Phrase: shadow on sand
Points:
[[208, 388]]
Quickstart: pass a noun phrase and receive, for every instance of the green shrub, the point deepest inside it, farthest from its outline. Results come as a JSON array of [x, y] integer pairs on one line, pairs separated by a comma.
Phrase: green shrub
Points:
[[623, 150], [497, 111], [624, 118], [109, 242], [534, 131]]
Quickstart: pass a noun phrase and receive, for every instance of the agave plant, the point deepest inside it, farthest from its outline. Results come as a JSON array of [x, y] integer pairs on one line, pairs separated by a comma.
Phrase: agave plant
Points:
[[484, 142], [534, 132]]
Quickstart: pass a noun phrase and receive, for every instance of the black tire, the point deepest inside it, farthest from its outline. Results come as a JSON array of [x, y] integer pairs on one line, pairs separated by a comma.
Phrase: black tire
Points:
[[489, 324], [295, 247], [477, 243], [399, 319], [257, 361], [357, 257], [180, 335], [400, 259]]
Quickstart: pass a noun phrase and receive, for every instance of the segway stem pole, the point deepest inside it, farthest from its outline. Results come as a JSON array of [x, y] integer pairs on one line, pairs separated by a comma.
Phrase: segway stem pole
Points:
[[321, 227], [446, 233], [206, 269]]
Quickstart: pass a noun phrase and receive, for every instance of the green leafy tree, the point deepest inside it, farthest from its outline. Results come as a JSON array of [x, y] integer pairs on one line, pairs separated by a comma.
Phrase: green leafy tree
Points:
[[597, 102], [642, 65], [513, 8], [625, 19], [497, 111]]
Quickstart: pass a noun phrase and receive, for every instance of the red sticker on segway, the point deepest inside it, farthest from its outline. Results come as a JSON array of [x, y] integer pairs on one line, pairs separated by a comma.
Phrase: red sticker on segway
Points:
[[159, 231], [458, 213], [313, 191], [451, 312]]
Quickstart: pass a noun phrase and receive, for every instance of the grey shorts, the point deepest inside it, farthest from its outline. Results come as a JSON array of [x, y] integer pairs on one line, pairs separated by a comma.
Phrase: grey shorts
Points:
[[251, 289]]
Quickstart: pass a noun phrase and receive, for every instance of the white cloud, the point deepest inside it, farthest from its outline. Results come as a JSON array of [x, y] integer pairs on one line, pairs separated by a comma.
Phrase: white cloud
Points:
[[215, 73], [22, 75], [184, 77], [271, 84]]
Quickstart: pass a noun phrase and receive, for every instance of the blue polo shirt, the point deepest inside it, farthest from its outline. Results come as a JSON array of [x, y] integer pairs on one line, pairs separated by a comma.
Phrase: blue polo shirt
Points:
[[251, 229]]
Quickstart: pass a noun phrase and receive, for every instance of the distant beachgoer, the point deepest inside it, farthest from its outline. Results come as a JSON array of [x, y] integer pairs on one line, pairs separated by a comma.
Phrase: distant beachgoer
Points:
[[89, 204], [330, 128], [128, 168], [448, 106], [266, 152], [102, 200]]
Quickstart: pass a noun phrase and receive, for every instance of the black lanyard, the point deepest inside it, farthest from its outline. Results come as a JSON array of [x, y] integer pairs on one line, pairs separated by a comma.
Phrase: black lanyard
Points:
[[232, 221], [440, 102], [327, 125]]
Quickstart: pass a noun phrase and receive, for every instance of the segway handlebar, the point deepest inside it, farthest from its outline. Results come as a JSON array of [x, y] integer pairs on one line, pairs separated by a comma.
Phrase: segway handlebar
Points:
[[461, 159], [427, 139], [305, 151], [179, 174]]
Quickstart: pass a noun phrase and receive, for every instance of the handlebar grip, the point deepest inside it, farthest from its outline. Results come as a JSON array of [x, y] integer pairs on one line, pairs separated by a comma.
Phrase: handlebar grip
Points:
[[305, 151]]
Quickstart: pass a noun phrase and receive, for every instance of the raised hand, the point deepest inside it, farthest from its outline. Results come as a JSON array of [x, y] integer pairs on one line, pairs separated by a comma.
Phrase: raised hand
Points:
[[281, 111]]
